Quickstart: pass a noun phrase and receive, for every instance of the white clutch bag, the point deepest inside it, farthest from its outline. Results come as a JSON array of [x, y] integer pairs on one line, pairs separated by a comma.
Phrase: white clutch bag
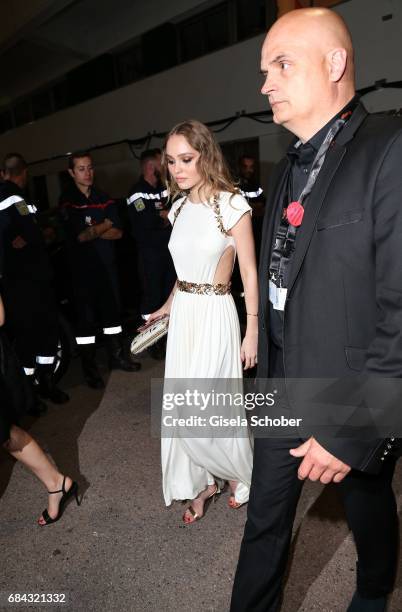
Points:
[[154, 332]]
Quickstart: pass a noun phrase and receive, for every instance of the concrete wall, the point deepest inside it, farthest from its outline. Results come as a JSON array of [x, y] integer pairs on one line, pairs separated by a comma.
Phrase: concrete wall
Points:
[[209, 88]]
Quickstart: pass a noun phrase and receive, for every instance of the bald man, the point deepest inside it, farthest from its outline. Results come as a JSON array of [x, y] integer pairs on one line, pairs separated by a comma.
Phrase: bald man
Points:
[[330, 302]]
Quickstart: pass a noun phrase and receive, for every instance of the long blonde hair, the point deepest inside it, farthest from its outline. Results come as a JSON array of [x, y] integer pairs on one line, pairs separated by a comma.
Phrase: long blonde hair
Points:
[[211, 163]]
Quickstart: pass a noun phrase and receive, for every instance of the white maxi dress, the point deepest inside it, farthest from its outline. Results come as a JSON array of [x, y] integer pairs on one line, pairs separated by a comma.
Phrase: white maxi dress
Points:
[[203, 342]]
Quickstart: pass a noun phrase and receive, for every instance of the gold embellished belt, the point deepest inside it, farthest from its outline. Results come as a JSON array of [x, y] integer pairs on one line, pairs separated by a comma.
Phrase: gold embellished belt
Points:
[[204, 288]]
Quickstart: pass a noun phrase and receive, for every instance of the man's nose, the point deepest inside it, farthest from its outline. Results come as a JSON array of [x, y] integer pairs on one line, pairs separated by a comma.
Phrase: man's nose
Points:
[[267, 87], [269, 84]]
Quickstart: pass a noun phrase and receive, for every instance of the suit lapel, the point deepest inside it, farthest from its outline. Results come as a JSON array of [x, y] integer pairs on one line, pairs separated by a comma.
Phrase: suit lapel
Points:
[[278, 179], [317, 196], [313, 207]]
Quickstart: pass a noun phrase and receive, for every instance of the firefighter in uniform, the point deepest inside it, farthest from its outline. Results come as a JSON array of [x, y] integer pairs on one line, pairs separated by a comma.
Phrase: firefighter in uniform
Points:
[[147, 206], [91, 222], [26, 284], [254, 194]]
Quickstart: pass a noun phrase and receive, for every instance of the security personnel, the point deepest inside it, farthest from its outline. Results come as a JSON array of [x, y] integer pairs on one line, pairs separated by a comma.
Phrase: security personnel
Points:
[[91, 222], [254, 194], [147, 206], [249, 185], [26, 283]]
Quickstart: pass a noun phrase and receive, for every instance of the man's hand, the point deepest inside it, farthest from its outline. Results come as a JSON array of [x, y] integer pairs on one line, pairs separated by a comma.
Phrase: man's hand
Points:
[[87, 234], [319, 464], [18, 243], [95, 231]]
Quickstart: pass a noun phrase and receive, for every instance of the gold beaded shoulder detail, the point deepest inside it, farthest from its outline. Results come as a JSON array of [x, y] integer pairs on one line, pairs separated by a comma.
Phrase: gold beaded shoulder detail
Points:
[[217, 211], [178, 209]]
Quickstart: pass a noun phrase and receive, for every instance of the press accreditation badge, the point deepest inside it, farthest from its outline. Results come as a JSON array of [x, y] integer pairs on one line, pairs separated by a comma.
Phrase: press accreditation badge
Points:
[[277, 296]]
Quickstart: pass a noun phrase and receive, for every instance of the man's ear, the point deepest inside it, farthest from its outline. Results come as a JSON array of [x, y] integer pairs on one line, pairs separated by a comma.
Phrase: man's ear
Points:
[[337, 60], [71, 172]]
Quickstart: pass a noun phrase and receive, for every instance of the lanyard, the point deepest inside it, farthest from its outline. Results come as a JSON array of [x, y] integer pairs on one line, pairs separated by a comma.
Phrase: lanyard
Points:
[[293, 215]]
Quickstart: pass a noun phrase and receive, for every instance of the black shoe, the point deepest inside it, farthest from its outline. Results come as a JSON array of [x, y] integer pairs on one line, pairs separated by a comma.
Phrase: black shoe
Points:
[[46, 387], [362, 604], [55, 395], [48, 390], [117, 361], [73, 490], [92, 376], [95, 382]]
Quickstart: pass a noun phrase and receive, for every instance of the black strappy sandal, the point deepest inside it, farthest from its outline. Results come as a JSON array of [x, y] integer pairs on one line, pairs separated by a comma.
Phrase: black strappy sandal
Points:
[[73, 490]]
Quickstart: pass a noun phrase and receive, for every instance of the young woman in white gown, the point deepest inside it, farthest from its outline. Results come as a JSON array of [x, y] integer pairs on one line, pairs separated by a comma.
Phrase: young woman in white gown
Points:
[[211, 223]]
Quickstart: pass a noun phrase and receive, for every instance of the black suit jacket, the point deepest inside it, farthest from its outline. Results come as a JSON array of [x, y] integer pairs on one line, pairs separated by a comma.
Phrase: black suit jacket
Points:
[[344, 306]]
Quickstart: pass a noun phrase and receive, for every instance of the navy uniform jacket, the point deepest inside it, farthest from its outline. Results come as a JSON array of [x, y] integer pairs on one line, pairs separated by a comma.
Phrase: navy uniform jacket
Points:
[[78, 212], [251, 190], [18, 218], [144, 205]]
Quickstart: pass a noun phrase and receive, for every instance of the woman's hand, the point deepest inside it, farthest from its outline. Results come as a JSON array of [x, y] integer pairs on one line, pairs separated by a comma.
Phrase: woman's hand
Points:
[[248, 351], [155, 316]]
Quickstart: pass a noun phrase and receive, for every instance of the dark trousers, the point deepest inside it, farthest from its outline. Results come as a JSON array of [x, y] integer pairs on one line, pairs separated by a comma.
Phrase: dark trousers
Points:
[[31, 315], [370, 508], [158, 277], [96, 301]]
